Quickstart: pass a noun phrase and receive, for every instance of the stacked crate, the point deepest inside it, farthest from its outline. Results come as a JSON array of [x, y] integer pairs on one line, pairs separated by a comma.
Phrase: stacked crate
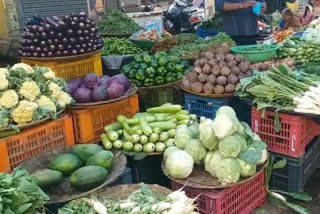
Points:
[[297, 141]]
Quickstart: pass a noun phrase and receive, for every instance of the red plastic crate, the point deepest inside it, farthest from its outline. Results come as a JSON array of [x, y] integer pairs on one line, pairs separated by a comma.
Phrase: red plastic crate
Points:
[[295, 134], [47, 136], [240, 199]]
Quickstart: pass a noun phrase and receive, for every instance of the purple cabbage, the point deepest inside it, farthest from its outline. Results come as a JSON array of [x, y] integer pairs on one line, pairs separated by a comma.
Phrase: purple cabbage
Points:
[[104, 80], [91, 80], [120, 79], [73, 85], [82, 95], [99, 93], [115, 90]]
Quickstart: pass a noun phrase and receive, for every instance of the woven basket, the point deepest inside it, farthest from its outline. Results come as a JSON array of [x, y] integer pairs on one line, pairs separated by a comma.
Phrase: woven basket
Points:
[[63, 192]]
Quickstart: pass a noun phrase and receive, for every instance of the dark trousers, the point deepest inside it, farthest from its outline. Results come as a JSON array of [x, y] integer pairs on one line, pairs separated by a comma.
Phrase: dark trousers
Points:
[[245, 40]]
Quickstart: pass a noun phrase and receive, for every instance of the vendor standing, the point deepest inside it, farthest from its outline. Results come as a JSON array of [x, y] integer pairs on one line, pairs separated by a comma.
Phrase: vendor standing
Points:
[[239, 21]]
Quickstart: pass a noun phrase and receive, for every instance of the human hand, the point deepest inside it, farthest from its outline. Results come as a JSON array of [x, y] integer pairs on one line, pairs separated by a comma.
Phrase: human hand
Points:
[[263, 7], [247, 4]]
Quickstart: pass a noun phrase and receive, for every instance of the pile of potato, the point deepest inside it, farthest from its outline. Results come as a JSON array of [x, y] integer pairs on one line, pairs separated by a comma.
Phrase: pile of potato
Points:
[[216, 73]]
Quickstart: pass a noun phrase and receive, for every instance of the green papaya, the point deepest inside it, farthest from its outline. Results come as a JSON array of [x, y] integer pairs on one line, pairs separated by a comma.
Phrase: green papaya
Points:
[[104, 159], [85, 151], [47, 177], [66, 163]]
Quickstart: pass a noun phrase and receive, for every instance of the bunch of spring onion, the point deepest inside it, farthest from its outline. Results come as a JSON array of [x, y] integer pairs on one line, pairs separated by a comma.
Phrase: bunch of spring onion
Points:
[[142, 201], [284, 89]]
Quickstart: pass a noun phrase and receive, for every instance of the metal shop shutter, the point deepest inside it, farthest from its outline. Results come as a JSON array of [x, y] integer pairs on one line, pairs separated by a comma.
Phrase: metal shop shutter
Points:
[[51, 7]]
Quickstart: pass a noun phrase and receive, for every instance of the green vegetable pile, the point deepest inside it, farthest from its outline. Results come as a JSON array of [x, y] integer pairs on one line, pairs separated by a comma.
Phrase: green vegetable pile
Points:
[[227, 148], [282, 88], [119, 47], [302, 51], [220, 43], [86, 167], [117, 22], [157, 69], [143, 201], [215, 23], [148, 132], [20, 194]]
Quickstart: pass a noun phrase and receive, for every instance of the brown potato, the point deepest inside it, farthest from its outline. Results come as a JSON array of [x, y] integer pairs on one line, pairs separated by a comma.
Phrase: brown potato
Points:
[[232, 78], [209, 55], [218, 89], [222, 64], [211, 79], [238, 58], [219, 56], [244, 66], [186, 84], [212, 62], [208, 88], [222, 80], [232, 63], [215, 70], [197, 63], [229, 57], [225, 71], [197, 87], [230, 88], [235, 70], [203, 61], [198, 69], [206, 69], [192, 76], [202, 78]]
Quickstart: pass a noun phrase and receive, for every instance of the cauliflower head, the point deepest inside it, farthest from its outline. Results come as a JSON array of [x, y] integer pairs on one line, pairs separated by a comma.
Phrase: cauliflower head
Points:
[[4, 71], [49, 74], [9, 99], [30, 90], [54, 89], [64, 99], [23, 66], [45, 101], [4, 83], [24, 112]]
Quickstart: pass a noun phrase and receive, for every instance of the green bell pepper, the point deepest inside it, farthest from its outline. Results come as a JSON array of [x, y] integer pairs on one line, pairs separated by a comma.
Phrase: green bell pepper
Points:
[[140, 75], [171, 67], [173, 59], [138, 58], [161, 71], [160, 54], [179, 68], [148, 82], [150, 72], [159, 80], [132, 73], [162, 61], [126, 69], [154, 63], [170, 79], [143, 66], [179, 76], [146, 58]]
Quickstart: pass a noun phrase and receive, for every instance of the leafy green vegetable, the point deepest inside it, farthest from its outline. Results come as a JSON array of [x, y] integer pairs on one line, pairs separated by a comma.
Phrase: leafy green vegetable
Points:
[[20, 194]]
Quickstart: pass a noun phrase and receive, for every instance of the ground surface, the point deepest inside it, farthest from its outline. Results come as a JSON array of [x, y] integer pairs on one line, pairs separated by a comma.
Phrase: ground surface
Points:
[[312, 187]]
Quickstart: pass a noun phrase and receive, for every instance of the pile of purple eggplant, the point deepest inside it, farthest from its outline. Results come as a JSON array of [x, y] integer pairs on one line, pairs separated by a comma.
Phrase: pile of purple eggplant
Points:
[[60, 36]]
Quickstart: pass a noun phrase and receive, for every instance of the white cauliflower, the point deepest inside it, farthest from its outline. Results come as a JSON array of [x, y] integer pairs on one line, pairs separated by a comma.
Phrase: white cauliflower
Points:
[[54, 89], [23, 66], [4, 83], [9, 99], [30, 90], [49, 74], [44, 101], [4, 71], [24, 112], [64, 99]]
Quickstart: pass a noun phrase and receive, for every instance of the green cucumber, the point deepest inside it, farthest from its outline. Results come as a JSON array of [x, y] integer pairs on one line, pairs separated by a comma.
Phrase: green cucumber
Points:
[[107, 144], [113, 126], [112, 135]]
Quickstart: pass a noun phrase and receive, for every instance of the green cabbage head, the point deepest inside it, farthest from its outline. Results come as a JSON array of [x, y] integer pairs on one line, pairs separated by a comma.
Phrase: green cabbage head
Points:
[[168, 151], [247, 169], [228, 171], [230, 147], [207, 135], [210, 162], [196, 150], [224, 126], [182, 137], [179, 164]]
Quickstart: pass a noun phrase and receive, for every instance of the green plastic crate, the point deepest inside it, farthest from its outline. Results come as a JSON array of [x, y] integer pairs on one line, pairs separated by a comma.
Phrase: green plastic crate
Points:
[[156, 97], [267, 52], [143, 44]]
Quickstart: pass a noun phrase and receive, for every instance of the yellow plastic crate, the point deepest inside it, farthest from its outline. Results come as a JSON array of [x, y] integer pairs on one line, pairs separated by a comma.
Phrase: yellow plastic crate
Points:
[[71, 67]]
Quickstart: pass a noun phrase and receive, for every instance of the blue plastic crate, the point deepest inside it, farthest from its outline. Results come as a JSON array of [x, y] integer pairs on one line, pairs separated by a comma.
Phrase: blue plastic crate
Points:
[[203, 33], [203, 106]]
